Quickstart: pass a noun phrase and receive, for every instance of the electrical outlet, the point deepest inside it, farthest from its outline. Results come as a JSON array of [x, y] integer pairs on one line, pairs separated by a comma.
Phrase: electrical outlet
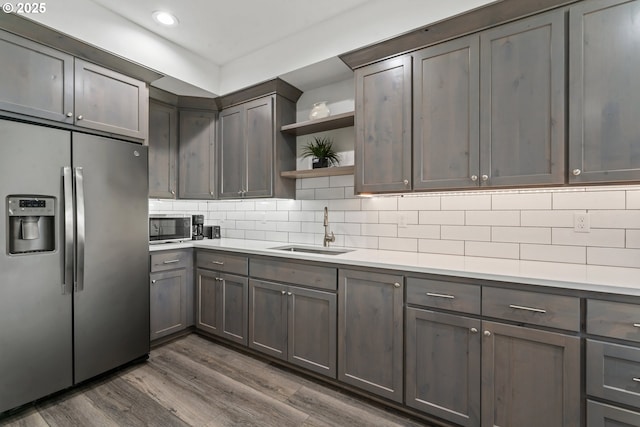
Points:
[[402, 220], [581, 223]]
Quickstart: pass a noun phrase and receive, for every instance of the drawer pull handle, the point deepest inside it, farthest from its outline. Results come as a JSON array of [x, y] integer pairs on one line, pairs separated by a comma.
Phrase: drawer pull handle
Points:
[[431, 294], [217, 262], [171, 261], [636, 325], [637, 380], [521, 307]]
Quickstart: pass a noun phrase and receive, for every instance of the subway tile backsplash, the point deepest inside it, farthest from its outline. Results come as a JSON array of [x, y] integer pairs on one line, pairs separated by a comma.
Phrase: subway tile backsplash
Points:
[[506, 225]]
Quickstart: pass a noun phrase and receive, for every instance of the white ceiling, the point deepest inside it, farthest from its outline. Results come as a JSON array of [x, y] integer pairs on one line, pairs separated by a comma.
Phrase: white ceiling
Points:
[[222, 46]]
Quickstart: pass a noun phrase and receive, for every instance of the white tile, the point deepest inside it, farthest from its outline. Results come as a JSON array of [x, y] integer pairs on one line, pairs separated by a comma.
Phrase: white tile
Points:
[[232, 234], [334, 216], [267, 205], [380, 204], [466, 202], [633, 199], [159, 205], [396, 244], [303, 216], [615, 219], [521, 201], [465, 232], [236, 215], [633, 239], [289, 205], [306, 194], [246, 225], [255, 235], [288, 226], [313, 205], [425, 203], [393, 217], [182, 205], [246, 205], [346, 228], [614, 257], [312, 227], [386, 230], [320, 182], [276, 216], [344, 205], [363, 242], [341, 181], [492, 250], [276, 236], [367, 217], [330, 193], [441, 217], [447, 247], [420, 231], [546, 218], [254, 215], [502, 218], [303, 238], [216, 216], [266, 226], [590, 200], [350, 193], [554, 253], [596, 237], [203, 206], [521, 234]]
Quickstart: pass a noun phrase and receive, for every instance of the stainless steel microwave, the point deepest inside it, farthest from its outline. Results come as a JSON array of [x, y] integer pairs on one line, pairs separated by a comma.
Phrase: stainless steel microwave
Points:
[[167, 228]]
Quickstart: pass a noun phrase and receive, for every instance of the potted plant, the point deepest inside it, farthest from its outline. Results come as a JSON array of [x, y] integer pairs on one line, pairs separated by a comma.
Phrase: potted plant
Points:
[[321, 151]]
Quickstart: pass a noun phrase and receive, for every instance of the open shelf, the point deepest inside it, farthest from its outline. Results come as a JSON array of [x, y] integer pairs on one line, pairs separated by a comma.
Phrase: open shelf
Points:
[[314, 173], [320, 125]]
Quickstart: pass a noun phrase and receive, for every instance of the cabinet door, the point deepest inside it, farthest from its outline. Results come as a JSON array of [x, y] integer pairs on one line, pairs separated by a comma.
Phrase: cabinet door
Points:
[[529, 377], [522, 111], [207, 300], [383, 126], [445, 115], [370, 332], [110, 102], [443, 366], [196, 155], [604, 136], [268, 318], [232, 152], [233, 308], [168, 302], [601, 415], [163, 150], [259, 148], [312, 330], [37, 80]]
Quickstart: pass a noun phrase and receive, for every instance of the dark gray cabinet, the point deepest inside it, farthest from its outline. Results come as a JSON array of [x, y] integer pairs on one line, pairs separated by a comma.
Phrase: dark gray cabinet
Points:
[[294, 324], [163, 150], [443, 365], [604, 134], [383, 126], [446, 129], [196, 164], [602, 415], [522, 102], [370, 332], [252, 150], [168, 302], [529, 377]]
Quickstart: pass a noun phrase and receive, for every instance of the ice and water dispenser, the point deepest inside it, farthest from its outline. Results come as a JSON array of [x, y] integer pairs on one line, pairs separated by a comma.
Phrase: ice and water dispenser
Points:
[[31, 222]]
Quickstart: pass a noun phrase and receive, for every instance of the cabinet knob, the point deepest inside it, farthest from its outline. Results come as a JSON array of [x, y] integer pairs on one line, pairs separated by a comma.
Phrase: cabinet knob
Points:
[[154, 281], [69, 114], [474, 330], [474, 178], [211, 192], [406, 182], [173, 192], [284, 292], [485, 177], [487, 333], [576, 172], [80, 117], [289, 293], [397, 285], [239, 192]]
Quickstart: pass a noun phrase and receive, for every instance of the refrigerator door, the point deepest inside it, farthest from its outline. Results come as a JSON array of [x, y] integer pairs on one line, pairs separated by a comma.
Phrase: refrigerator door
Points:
[[35, 311], [111, 301]]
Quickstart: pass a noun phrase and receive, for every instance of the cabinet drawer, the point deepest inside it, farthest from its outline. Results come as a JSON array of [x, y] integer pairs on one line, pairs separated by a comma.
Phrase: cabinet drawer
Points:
[[613, 319], [295, 273], [170, 260], [613, 372], [533, 308], [221, 261], [444, 295], [601, 415]]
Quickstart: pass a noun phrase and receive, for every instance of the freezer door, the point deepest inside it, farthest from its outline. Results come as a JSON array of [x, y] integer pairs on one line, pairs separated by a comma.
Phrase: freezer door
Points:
[[35, 313], [111, 301]]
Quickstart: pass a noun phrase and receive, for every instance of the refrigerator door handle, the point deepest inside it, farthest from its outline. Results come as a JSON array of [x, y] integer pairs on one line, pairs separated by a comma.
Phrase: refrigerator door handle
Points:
[[67, 180], [80, 229]]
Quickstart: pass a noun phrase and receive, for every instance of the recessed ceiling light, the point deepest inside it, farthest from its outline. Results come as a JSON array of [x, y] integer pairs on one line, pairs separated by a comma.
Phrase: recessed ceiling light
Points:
[[165, 18]]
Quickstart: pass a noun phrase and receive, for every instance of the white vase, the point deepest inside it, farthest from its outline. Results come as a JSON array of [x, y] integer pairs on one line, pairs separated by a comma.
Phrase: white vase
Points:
[[319, 111]]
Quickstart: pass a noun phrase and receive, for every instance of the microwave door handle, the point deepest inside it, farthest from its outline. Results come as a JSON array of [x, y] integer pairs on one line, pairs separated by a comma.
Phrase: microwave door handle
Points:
[[67, 286], [80, 229]]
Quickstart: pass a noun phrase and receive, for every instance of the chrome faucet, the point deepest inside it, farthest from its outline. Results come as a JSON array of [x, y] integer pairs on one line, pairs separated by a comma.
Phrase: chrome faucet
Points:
[[327, 237]]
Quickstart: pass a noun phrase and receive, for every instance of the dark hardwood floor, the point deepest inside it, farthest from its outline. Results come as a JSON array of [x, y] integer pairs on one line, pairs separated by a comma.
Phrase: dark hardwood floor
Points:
[[194, 382]]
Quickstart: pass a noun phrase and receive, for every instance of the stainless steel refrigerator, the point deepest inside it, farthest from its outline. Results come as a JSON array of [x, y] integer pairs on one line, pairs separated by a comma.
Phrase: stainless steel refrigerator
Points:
[[74, 275]]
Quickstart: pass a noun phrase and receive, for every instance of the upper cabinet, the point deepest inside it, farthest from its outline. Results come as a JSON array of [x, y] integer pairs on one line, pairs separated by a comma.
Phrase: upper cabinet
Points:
[[383, 126], [253, 151], [604, 134], [46, 83], [163, 150], [196, 164]]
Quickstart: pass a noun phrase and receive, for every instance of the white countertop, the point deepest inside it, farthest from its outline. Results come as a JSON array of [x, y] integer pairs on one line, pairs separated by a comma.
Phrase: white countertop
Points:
[[594, 278]]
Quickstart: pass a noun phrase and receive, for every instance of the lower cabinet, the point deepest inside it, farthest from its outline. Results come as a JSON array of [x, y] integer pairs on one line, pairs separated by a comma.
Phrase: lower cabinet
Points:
[[370, 332], [222, 304], [168, 302], [602, 415], [294, 324]]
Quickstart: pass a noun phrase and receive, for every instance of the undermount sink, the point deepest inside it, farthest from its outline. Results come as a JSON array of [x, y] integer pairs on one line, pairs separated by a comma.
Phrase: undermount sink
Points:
[[312, 250]]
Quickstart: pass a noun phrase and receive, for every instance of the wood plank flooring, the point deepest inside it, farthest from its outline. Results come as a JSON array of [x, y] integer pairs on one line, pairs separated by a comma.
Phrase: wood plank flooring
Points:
[[194, 382]]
